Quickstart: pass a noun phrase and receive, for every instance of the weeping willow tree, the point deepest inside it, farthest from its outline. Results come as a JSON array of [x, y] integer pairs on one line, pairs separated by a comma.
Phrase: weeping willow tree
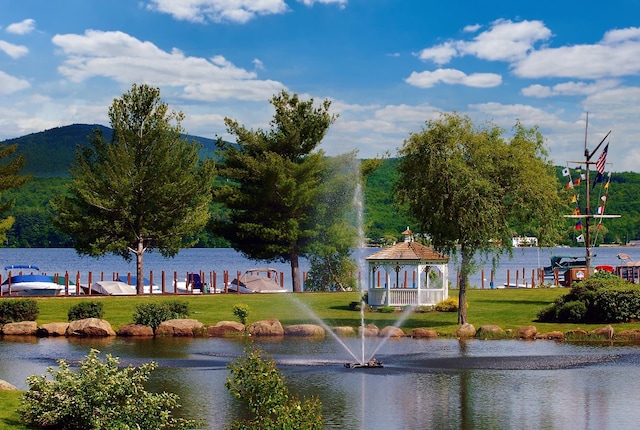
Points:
[[470, 189]]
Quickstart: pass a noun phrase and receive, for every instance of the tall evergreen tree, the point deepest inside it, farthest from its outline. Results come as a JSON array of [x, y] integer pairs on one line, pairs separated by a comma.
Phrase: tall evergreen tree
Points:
[[275, 179], [146, 189], [469, 187], [10, 167]]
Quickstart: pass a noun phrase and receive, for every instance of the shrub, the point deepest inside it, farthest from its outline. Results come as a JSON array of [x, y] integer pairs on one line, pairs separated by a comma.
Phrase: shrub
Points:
[[153, 314], [17, 310], [241, 311], [84, 310], [447, 305], [572, 312], [386, 309], [99, 396], [258, 382]]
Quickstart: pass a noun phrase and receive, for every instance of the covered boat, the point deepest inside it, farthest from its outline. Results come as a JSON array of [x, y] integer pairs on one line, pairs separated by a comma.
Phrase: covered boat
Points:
[[563, 263], [32, 283], [111, 288], [259, 280]]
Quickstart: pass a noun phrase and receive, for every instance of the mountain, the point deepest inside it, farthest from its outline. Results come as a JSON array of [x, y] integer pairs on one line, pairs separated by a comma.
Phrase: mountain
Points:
[[50, 153]]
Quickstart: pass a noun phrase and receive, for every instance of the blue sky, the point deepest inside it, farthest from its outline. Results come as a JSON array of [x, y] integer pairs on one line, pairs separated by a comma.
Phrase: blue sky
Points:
[[387, 66]]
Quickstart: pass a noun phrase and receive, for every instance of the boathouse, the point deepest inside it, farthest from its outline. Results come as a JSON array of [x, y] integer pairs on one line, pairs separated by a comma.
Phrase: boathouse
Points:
[[407, 274]]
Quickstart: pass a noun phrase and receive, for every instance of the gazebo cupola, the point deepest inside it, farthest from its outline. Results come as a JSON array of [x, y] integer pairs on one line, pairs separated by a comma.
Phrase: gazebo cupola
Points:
[[407, 274]]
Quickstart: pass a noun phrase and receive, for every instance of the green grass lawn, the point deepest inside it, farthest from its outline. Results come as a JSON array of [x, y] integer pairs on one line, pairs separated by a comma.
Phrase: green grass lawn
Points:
[[9, 419], [507, 308]]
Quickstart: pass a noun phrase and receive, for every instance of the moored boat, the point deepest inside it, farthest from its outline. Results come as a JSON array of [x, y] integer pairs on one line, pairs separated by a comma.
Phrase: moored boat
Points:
[[259, 280], [29, 284]]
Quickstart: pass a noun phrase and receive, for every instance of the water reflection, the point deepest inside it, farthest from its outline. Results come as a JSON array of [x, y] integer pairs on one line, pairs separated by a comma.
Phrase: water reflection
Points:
[[424, 384]]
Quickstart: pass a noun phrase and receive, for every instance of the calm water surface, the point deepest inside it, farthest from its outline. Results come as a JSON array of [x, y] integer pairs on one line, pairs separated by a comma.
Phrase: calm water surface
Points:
[[434, 384]]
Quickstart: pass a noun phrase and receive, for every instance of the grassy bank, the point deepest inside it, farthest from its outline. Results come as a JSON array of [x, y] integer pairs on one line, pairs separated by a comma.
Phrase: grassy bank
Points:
[[508, 309]]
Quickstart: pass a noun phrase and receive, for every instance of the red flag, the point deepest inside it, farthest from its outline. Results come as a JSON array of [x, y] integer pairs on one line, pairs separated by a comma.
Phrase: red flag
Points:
[[602, 159]]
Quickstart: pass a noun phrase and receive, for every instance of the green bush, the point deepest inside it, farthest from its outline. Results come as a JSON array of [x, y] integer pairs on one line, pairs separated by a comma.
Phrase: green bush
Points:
[[17, 310], [386, 309], [258, 382], [602, 298], [241, 311], [153, 314], [84, 310], [101, 395]]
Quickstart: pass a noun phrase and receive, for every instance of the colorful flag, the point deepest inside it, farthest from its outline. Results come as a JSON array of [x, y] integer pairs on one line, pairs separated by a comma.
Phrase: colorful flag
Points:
[[606, 185], [600, 210], [604, 198], [576, 182], [597, 179], [576, 211], [602, 159], [574, 199], [580, 239], [569, 185], [579, 225], [565, 171]]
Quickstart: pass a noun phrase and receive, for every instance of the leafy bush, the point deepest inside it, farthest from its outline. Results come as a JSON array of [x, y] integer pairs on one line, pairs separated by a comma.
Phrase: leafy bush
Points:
[[17, 310], [241, 311], [447, 305], [258, 382], [386, 309], [84, 310], [99, 396], [153, 314], [603, 298]]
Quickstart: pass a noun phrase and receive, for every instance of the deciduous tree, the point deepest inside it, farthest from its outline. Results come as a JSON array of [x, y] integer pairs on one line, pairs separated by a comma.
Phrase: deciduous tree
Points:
[[146, 189], [468, 187], [274, 179]]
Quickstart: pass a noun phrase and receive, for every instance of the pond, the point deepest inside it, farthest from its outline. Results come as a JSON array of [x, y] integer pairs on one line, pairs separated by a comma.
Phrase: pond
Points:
[[424, 384]]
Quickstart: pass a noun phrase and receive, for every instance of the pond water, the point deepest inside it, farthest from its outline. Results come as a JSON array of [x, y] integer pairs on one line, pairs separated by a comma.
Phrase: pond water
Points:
[[425, 384]]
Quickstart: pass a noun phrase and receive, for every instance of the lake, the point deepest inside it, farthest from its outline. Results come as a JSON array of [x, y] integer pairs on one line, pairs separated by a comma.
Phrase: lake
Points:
[[208, 260]]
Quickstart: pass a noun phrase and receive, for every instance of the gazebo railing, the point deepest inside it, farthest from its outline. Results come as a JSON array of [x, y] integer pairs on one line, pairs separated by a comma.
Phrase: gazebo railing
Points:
[[405, 297]]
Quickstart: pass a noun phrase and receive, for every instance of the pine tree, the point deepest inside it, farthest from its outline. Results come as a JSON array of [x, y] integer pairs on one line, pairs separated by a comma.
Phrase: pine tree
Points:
[[10, 166], [146, 189]]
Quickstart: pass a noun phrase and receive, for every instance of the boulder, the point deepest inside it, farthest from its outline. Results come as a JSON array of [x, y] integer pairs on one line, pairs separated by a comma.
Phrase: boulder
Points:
[[53, 329], [423, 333], [391, 331], [270, 327], [180, 327], [629, 335], [344, 331], [466, 330], [607, 332], [23, 328], [370, 330], [490, 331], [552, 335], [90, 327], [4, 385], [526, 332], [304, 330], [135, 330], [225, 328]]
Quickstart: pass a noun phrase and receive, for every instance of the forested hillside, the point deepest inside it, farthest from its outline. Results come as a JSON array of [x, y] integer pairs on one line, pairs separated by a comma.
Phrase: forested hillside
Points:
[[50, 154]]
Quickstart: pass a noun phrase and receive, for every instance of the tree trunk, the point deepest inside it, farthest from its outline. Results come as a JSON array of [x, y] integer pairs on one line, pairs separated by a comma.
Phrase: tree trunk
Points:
[[140, 268], [465, 265], [295, 273]]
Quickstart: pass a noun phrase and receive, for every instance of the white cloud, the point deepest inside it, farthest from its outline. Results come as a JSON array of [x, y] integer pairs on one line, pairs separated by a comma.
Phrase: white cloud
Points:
[[472, 28], [617, 54], [341, 3], [125, 59], [440, 54], [23, 27], [506, 40], [13, 51], [237, 11], [428, 79], [569, 88], [10, 84]]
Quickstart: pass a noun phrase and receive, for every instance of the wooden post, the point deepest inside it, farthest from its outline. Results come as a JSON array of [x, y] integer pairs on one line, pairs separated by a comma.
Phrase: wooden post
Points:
[[282, 279], [163, 287], [225, 279], [517, 277], [238, 280], [90, 279], [508, 278], [66, 282], [150, 282], [493, 275], [214, 280], [175, 282], [78, 283], [533, 278], [482, 278]]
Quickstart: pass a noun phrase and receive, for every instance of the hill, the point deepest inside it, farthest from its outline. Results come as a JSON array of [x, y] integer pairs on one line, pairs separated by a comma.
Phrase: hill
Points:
[[50, 153]]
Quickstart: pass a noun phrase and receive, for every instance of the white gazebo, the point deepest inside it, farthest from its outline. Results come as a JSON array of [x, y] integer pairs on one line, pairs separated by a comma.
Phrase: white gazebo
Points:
[[407, 274]]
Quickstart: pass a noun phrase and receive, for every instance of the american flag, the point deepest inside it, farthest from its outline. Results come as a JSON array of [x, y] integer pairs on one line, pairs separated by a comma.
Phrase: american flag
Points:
[[602, 159]]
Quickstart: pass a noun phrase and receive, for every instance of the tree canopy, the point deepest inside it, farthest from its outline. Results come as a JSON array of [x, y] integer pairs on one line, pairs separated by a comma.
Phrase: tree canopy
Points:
[[274, 179], [10, 179], [145, 189], [469, 187]]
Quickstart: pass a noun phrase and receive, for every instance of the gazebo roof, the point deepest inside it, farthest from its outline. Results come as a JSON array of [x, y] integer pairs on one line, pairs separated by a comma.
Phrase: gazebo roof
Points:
[[408, 251]]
